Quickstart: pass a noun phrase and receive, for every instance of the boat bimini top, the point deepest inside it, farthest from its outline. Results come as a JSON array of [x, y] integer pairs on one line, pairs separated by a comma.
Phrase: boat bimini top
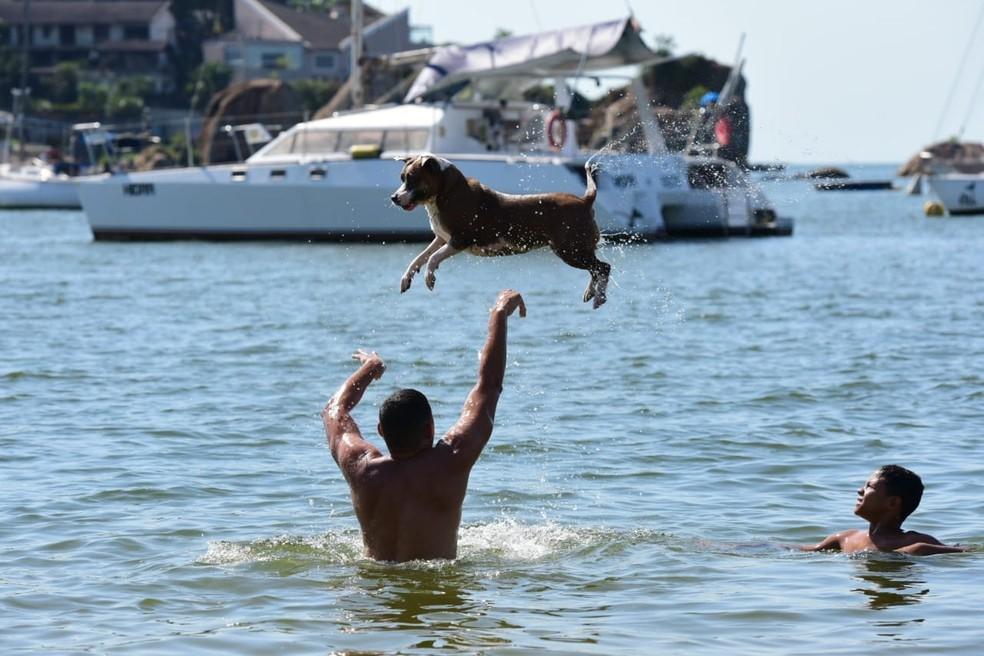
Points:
[[494, 66]]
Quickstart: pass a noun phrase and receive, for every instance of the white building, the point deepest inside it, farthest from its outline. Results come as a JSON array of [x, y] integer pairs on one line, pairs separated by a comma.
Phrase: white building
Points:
[[273, 39], [120, 37]]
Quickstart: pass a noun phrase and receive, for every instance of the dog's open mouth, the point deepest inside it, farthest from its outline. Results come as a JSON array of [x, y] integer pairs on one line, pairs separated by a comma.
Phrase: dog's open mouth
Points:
[[409, 206]]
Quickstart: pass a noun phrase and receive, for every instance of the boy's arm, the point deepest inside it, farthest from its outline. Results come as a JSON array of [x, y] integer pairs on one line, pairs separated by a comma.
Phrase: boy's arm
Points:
[[926, 549], [344, 438], [928, 546], [470, 434], [829, 543]]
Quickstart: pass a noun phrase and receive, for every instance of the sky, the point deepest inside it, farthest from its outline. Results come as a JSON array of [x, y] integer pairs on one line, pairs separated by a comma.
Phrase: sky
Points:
[[837, 81]]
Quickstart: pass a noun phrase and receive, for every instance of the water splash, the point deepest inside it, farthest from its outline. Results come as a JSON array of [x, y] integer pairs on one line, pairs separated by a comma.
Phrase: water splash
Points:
[[505, 539], [329, 548]]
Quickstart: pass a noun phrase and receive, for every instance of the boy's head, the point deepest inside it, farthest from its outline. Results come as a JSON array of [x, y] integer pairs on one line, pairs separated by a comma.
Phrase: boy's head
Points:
[[406, 423], [890, 490]]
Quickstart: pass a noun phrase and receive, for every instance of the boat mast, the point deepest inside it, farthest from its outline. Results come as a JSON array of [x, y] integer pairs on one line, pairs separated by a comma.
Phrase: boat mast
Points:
[[355, 64], [23, 91]]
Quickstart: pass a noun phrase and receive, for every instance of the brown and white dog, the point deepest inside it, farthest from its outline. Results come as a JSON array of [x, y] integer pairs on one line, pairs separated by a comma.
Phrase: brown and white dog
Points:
[[465, 215]]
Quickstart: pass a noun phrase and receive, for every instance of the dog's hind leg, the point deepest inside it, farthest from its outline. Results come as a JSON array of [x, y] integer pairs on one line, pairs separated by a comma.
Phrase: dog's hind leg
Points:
[[600, 271]]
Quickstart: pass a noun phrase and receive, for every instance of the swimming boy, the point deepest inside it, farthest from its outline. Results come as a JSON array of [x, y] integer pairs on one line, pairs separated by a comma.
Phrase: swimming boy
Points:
[[889, 495], [409, 502]]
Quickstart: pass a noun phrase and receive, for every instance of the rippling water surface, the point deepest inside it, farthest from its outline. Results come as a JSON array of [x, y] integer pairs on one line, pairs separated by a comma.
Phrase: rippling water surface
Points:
[[166, 488]]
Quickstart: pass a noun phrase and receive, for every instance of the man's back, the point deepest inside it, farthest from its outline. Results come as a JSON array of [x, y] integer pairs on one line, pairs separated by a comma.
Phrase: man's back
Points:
[[410, 509], [409, 502]]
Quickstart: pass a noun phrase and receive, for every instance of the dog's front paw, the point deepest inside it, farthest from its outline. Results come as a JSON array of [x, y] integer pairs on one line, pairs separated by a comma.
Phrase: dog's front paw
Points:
[[599, 300], [430, 280], [405, 283]]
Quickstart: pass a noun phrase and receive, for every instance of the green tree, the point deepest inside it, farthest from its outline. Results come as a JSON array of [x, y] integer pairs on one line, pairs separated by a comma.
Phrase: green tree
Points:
[[10, 70], [194, 22], [664, 45], [125, 100], [206, 80], [692, 98], [315, 94], [313, 5], [64, 85], [92, 97]]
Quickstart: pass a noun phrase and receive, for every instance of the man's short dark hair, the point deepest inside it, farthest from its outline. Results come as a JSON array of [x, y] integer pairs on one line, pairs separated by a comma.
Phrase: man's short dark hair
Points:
[[902, 483], [404, 418]]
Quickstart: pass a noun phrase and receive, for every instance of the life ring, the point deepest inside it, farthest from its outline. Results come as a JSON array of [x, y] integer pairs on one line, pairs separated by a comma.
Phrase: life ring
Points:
[[554, 139], [723, 131]]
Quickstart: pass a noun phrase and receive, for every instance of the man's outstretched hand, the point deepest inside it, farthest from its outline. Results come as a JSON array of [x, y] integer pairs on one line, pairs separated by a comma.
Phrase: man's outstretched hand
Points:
[[371, 360], [508, 301]]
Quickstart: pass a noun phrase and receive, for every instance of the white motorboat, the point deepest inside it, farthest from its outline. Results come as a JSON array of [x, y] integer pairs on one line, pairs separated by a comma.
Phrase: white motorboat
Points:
[[330, 179], [960, 193]]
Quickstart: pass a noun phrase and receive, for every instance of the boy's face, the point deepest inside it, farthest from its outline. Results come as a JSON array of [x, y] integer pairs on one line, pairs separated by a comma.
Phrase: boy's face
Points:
[[874, 502]]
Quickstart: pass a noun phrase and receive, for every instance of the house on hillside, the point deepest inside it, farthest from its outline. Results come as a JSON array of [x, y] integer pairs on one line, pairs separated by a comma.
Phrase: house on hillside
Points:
[[274, 39], [129, 37]]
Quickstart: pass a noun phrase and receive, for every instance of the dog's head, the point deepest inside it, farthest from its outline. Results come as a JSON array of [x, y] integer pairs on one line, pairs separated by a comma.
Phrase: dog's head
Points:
[[422, 176]]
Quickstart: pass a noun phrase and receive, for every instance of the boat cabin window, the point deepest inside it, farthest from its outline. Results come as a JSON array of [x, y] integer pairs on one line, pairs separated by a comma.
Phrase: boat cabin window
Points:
[[350, 138], [314, 142], [322, 142], [284, 146], [278, 174], [407, 140]]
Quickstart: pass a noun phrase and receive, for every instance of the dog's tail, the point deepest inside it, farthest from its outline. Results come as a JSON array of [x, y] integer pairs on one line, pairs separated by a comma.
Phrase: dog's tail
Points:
[[592, 190]]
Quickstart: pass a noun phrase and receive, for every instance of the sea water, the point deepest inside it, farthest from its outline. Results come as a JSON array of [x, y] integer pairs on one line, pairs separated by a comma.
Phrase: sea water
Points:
[[166, 487]]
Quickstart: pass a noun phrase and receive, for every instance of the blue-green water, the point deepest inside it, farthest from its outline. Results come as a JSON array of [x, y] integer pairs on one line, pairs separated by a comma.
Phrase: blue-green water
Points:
[[166, 488]]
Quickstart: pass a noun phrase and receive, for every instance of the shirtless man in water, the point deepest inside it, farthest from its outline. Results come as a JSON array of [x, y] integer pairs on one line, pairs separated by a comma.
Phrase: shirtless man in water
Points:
[[890, 495], [409, 502]]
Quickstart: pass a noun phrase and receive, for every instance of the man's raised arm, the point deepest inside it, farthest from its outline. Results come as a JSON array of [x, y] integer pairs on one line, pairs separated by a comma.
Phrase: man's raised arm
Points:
[[344, 438], [473, 429]]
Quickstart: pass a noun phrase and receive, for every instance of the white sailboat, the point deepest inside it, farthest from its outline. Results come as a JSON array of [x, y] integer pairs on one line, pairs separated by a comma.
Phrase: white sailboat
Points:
[[41, 184], [330, 179], [960, 193]]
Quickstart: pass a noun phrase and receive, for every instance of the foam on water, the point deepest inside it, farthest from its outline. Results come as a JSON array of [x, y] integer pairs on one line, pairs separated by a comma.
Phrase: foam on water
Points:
[[503, 540], [329, 548]]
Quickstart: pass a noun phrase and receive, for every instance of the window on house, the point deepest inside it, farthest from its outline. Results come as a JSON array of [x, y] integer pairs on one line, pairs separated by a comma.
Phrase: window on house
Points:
[[136, 32], [46, 31], [233, 56], [324, 61], [100, 33], [274, 60], [66, 35]]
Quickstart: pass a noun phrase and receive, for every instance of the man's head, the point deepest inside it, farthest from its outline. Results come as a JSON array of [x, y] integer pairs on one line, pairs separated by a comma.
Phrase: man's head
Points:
[[891, 490], [421, 176], [406, 423]]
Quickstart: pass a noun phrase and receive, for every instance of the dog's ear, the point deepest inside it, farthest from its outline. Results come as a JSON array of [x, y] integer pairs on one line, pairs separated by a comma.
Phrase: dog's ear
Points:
[[404, 159], [432, 165]]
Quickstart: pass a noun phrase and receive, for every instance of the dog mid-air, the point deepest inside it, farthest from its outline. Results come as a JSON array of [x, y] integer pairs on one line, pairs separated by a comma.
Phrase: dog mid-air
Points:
[[465, 215]]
